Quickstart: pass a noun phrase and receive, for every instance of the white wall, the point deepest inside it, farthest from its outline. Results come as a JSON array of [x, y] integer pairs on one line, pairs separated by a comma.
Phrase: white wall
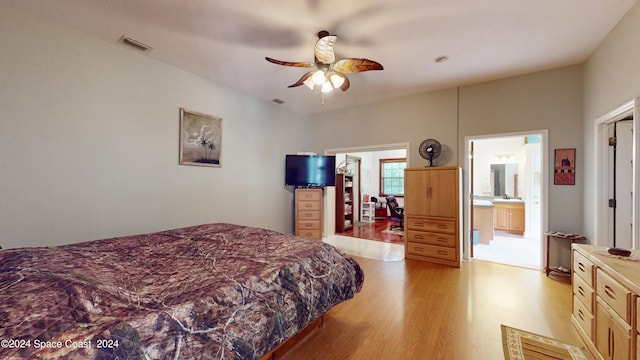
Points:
[[370, 167], [89, 143], [611, 78]]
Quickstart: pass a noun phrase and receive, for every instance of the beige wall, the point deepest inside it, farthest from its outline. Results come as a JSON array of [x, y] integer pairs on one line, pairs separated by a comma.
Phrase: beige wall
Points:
[[404, 120], [549, 100], [611, 78], [544, 100], [89, 143]]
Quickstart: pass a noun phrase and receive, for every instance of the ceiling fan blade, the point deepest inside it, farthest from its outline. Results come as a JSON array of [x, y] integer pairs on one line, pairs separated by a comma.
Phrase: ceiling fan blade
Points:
[[324, 49], [289, 63], [352, 65], [302, 79]]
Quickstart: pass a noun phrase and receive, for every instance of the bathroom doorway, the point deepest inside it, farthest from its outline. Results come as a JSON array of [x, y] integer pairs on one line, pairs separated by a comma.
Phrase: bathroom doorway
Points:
[[506, 189]]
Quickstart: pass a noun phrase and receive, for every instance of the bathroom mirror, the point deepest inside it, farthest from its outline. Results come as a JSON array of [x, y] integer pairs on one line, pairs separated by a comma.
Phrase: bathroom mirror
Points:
[[504, 179]]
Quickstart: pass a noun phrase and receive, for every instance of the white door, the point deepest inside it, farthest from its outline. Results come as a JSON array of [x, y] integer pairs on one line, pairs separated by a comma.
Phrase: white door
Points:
[[621, 174]]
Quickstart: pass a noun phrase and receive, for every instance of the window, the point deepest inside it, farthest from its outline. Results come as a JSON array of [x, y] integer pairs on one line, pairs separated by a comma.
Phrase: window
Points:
[[392, 176]]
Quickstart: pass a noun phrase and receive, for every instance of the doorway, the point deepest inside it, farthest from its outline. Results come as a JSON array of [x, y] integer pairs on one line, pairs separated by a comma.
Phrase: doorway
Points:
[[506, 186], [368, 190], [616, 211], [620, 182]]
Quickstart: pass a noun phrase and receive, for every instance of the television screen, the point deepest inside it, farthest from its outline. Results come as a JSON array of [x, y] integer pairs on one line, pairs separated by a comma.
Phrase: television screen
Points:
[[310, 170]]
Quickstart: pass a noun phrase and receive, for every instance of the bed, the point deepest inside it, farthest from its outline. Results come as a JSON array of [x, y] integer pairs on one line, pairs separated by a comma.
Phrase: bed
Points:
[[220, 291]]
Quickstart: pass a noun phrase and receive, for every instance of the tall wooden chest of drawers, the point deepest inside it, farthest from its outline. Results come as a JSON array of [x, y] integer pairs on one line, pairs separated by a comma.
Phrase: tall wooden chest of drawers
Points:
[[432, 215], [308, 213], [606, 297]]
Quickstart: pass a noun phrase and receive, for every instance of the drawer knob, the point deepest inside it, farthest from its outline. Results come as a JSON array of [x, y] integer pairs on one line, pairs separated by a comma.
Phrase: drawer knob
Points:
[[581, 291]]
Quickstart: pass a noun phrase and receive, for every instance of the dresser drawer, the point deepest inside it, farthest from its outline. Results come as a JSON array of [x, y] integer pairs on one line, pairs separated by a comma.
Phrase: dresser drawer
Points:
[[308, 205], [614, 294], [583, 267], [583, 316], [431, 251], [309, 195], [309, 233], [583, 292], [308, 224], [308, 215], [439, 226], [447, 240]]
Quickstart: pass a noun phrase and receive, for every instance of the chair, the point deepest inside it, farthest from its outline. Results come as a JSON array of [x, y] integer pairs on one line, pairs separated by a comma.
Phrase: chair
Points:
[[397, 212]]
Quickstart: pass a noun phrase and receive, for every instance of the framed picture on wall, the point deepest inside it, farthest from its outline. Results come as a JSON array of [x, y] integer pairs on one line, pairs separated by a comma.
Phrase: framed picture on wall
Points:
[[200, 139], [564, 169]]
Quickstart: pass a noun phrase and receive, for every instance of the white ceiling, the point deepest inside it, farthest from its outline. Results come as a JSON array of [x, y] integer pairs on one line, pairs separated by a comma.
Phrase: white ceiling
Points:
[[227, 41]]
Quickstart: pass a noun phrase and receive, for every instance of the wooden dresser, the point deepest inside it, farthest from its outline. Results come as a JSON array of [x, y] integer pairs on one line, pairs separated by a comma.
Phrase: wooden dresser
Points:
[[606, 301], [432, 211], [308, 209]]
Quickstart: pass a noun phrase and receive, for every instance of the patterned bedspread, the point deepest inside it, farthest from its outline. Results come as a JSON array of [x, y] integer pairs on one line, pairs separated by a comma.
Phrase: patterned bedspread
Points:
[[218, 291]]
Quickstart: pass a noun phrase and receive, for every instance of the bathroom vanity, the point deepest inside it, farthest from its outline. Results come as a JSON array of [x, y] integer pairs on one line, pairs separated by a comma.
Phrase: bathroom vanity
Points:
[[509, 216]]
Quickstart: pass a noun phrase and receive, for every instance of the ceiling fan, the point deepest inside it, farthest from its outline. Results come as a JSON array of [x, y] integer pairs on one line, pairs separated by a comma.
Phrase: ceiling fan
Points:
[[329, 73]]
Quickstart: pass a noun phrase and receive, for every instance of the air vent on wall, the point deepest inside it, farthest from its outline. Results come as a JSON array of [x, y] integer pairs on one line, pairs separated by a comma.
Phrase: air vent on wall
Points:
[[135, 43]]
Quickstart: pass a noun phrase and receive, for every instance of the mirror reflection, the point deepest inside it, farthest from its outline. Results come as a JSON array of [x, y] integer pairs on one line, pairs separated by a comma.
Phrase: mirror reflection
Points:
[[504, 180]]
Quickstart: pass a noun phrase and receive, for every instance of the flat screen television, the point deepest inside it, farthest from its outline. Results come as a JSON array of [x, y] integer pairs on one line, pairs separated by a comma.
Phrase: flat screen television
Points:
[[310, 170]]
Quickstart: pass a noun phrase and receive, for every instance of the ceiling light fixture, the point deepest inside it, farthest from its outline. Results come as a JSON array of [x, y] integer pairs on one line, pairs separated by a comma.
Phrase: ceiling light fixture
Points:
[[329, 75]]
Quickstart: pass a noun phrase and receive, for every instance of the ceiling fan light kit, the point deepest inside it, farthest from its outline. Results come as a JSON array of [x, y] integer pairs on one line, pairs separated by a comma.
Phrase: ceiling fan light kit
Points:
[[329, 74]]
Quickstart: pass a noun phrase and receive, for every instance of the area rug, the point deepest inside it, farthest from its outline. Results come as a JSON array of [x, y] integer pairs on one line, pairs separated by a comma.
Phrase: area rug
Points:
[[523, 345], [394, 232]]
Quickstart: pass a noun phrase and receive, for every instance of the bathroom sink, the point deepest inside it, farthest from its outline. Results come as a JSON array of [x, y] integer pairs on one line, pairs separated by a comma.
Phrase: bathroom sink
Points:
[[479, 202], [507, 200]]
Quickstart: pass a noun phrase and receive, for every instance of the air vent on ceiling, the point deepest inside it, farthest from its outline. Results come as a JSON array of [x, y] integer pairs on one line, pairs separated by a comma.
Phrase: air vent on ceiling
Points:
[[278, 101], [135, 43]]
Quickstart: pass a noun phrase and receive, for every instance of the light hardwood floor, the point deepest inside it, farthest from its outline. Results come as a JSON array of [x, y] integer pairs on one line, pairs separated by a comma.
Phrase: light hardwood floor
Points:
[[414, 310]]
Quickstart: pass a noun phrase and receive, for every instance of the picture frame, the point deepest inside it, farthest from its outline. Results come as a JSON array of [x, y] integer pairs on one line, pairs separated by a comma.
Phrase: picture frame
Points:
[[564, 168], [200, 139]]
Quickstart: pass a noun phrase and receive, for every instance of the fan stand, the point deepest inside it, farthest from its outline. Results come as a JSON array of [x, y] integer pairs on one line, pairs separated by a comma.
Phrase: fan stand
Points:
[[430, 159]]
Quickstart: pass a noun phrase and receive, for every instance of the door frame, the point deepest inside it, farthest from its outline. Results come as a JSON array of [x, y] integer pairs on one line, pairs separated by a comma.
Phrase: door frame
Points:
[[544, 200], [601, 213], [329, 201]]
